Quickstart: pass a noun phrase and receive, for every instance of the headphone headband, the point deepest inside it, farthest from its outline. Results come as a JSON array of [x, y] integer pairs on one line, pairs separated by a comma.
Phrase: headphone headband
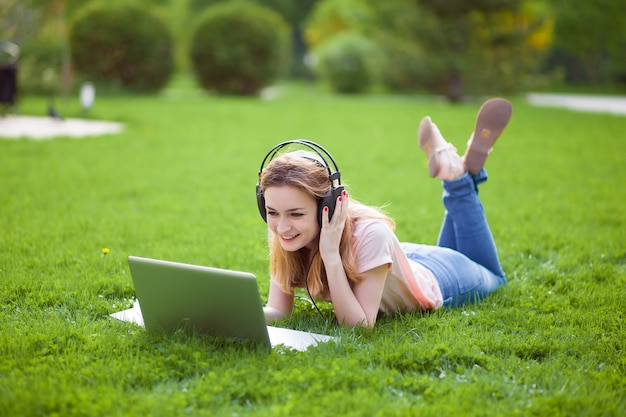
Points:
[[318, 149]]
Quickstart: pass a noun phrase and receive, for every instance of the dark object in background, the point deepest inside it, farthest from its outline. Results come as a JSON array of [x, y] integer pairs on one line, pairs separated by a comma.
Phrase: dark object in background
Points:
[[52, 112], [9, 54]]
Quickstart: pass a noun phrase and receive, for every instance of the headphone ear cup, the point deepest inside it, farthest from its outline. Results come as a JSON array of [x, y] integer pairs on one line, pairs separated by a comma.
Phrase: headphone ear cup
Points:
[[329, 201], [260, 201]]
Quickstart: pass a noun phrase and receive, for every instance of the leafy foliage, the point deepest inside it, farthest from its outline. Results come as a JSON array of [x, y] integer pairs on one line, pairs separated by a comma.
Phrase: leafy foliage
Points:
[[447, 8], [476, 48], [293, 12], [239, 48], [40, 68], [331, 17], [122, 44], [348, 62], [594, 34]]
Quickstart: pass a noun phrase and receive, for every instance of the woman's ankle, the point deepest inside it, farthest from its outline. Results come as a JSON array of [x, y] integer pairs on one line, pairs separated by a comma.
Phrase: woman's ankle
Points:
[[451, 166]]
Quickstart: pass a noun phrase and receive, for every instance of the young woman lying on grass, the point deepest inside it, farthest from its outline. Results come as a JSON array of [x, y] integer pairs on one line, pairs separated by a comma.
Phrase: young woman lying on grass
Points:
[[349, 255]]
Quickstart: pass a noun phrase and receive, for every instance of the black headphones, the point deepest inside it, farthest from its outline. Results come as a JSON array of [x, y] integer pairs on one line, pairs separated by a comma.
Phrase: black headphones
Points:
[[329, 200]]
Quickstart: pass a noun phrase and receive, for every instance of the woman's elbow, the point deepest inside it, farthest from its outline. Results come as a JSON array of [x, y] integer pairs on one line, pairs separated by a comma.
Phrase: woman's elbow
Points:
[[272, 313]]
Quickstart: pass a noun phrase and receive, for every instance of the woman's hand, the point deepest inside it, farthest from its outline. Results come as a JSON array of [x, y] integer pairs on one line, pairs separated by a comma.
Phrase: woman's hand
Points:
[[332, 230]]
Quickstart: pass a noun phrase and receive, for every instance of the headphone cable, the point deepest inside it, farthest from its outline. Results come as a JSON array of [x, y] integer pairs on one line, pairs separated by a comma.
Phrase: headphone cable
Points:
[[306, 283]]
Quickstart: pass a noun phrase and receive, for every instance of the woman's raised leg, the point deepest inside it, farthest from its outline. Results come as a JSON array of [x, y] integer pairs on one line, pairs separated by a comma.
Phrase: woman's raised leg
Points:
[[465, 228]]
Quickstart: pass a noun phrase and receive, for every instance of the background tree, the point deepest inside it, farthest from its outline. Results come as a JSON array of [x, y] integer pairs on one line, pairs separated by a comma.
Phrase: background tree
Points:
[[477, 47], [590, 40], [41, 29]]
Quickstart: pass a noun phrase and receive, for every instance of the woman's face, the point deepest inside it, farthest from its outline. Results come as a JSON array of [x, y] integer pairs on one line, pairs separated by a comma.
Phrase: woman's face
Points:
[[292, 216]]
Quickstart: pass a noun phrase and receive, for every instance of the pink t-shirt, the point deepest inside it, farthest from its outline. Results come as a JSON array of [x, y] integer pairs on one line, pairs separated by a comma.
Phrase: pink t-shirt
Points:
[[409, 286]]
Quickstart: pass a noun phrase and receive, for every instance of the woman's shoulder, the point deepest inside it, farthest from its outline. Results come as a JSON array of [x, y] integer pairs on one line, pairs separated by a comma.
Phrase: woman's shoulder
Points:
[[373, 240], [371, 227], [363, 214]]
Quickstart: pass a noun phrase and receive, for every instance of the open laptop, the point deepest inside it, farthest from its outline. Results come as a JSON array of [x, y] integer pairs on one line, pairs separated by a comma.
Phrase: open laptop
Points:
[[215, 301]]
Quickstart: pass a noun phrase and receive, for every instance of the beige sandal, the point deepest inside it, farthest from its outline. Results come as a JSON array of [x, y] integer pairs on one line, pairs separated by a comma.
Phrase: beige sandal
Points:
[[433, 144], [491, 120]]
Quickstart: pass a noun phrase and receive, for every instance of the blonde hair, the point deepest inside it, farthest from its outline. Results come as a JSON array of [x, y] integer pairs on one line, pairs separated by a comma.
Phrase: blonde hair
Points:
[[303, 269]]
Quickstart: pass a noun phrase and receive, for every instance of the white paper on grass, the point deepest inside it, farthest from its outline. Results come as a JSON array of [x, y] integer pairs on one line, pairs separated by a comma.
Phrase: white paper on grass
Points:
[[293, 339]]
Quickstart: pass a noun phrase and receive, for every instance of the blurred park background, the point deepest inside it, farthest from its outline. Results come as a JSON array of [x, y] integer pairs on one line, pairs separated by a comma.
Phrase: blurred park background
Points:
[[177, 183], [449, 48]]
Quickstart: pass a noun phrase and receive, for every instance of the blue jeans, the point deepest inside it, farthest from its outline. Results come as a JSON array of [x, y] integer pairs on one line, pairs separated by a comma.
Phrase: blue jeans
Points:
[[465, 261]]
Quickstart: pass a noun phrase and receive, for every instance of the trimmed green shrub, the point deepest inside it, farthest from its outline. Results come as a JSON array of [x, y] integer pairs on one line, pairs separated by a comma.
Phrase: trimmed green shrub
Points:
[[348, 62], [238, 48], [122, 45]]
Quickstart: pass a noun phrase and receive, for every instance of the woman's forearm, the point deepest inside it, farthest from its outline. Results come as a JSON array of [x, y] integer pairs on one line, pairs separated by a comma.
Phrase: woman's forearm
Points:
[[347, 308]]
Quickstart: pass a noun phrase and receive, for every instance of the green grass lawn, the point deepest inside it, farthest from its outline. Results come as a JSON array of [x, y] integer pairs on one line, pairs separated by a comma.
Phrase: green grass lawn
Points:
[[178, 184]]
